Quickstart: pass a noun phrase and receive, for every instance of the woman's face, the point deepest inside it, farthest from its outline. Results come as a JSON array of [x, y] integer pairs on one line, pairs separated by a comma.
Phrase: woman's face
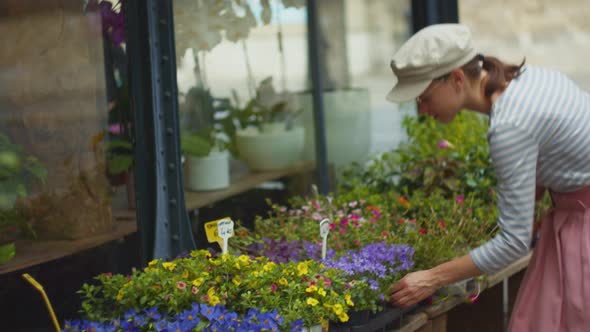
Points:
[[440, 100]]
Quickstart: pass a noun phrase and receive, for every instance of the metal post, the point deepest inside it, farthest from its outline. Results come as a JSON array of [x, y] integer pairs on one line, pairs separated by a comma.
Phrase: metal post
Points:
[[162, 219], [505, 308], [317, 93]]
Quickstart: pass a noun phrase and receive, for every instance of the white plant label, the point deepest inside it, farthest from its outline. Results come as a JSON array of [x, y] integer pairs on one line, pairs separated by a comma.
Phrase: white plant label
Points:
[[225, 230], [324, 230]]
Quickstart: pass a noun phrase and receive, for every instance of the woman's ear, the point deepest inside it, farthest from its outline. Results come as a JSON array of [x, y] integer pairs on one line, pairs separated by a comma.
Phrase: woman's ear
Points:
[[458, 79]]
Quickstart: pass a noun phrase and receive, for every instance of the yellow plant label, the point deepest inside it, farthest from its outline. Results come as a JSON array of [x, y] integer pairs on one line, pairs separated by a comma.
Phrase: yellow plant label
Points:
[[212, 232]]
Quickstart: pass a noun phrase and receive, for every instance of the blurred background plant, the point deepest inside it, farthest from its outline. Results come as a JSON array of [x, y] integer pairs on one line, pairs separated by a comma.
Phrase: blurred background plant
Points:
[[453, 157], [19, 171]]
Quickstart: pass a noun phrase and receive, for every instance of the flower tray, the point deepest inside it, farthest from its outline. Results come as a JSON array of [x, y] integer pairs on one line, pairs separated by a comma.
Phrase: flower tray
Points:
[[366, 321]]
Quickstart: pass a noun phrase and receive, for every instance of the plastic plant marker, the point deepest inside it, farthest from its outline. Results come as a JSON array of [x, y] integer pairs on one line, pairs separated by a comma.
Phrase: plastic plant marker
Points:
[[324, 230], [225, 230], [212, 232], [40, 289]]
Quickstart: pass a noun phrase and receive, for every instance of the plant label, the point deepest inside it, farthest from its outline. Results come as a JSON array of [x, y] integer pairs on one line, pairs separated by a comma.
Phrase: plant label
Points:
[[324, 230], [225, 230]]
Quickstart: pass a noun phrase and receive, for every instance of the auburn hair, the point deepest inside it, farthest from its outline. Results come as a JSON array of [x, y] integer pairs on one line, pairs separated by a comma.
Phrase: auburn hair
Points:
[[500, 73]]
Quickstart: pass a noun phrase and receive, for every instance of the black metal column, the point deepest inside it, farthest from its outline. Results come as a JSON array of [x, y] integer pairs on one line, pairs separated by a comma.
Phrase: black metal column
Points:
[[317, 93], [163, 223], [428, 12]]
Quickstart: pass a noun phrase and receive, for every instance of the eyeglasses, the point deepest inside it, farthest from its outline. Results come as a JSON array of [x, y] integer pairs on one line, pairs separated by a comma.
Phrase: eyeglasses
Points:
[[426, 94]]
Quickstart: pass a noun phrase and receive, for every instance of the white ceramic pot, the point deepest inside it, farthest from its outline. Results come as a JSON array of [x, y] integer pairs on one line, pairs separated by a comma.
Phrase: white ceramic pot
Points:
[[273, 148], [314, 328], [347, 120], [208, 173]]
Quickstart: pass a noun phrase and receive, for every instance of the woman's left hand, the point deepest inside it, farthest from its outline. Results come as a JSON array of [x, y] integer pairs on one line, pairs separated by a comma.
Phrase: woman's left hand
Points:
[[412, 288]]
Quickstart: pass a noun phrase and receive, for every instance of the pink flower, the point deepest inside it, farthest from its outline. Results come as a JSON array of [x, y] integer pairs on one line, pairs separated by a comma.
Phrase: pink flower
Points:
[[273, 287], [181, 285], [332, 226], [353, 204], [116, 128], [344, 222], [167, 297], [354, 217], [442, 224], [423, 231], [283, 209], [315, 204], [316, 216], [459, 198], [342, 230], [327, 282], [195, 290], [443, 144], [357, 243]]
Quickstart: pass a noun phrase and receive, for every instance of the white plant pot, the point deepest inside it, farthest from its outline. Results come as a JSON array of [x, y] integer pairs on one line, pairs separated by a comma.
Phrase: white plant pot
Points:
[[347, 120], [314, 328], [273, 148], [208, 173]]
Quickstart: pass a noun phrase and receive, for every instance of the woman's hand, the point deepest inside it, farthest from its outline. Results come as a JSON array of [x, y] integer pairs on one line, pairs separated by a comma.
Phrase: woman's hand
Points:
[[413, 288]]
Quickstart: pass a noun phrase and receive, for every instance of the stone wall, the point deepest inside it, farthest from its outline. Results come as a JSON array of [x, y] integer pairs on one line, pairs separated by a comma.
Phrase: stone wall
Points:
[[555, 34]]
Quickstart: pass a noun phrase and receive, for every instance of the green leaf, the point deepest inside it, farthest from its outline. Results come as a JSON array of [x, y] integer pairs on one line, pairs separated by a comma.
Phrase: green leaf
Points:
[[194, 145], [7, 252], [119, 164]]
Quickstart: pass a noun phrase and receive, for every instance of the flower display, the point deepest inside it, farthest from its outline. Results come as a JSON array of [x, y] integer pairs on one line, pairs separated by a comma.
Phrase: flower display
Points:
[[305, 290]]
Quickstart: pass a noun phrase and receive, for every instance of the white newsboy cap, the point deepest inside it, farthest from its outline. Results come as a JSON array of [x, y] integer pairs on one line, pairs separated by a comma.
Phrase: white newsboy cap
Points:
[[430, 53]]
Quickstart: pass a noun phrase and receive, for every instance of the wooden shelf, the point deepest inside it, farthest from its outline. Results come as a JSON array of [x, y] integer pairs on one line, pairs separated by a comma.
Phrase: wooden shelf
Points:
[[240, 183], [31, 253]]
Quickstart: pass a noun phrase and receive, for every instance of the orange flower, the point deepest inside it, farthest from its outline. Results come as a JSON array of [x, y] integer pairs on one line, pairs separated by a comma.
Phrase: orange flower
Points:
[[403, 201]]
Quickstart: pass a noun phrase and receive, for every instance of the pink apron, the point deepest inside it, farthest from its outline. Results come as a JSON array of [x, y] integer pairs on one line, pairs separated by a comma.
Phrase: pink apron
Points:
[[555, 293]]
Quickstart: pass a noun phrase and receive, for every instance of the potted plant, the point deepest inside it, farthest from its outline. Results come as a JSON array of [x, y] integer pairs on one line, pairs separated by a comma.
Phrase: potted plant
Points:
[[18, 172], [207, 161], [264, 133]]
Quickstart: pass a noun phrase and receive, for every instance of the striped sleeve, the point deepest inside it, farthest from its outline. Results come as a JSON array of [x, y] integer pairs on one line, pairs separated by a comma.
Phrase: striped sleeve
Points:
[[514, 155]]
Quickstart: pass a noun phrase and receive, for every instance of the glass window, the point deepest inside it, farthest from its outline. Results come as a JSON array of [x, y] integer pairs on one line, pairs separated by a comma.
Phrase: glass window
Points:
[[240, 67], [55, 104]]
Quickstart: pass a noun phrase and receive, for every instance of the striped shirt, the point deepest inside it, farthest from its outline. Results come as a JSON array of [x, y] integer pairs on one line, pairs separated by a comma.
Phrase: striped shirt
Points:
[[539, 134]]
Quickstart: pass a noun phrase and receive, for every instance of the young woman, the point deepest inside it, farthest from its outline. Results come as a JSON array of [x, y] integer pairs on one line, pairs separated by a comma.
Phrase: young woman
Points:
[[539, 137]]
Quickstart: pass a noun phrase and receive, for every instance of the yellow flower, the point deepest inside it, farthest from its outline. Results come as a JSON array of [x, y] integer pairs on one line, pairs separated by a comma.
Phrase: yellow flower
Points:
[[120, 295], [283, 282], [312, 302], [302, 268], [237, 265], [244, 259], [338, 310], [343, 317], [198, 282], [185, 274], [255, 273], [237, 280], [218, 279], [311, 289], [205, 274], [215, 261], [269, 266], [214, 300], [169, 266], [322, 292], [348, 300], [153, 262], [211, 292]]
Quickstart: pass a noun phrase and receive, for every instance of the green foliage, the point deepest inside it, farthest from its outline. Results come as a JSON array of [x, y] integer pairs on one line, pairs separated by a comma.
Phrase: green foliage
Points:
[[119, 156], [203, 129], [453, 157], [18, 172], [7, 252]]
